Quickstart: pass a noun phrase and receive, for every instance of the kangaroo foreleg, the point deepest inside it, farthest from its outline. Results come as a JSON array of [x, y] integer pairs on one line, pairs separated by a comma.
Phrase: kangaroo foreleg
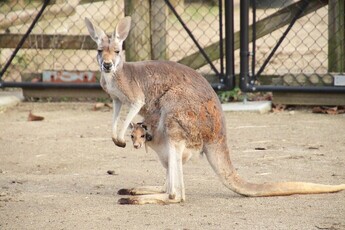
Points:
[[116, 112], [133, 111]]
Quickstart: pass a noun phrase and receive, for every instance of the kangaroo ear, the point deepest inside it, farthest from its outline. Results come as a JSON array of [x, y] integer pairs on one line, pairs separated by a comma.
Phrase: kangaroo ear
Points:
[[149, 137], [144, 126], [122, 29], [95, 32], [131, 125]]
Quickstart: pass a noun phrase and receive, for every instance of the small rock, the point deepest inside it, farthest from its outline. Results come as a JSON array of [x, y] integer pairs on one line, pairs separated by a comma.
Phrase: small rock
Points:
[[111, 172]]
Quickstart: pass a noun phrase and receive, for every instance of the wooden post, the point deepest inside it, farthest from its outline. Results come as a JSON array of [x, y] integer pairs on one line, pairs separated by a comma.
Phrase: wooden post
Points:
[[158, 28], [138, 43], [336, 36]]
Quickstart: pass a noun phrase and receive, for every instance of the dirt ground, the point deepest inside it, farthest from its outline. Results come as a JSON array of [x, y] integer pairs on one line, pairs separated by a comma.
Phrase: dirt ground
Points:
[[53, 173]]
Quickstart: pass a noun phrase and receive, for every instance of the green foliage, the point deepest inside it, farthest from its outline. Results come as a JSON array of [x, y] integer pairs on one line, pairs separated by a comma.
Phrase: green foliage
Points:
[[228, 96], [21, 61]]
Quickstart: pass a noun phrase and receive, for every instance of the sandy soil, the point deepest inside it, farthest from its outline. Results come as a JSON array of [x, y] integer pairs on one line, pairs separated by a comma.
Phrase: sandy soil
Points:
[[54, 173]]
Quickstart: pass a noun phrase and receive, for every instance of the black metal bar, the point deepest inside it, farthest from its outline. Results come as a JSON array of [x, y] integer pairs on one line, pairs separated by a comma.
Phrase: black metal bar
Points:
[[221, 48], [229, 79], [42, 85], [304, 89], [192, 37], [219, 87], [244, 40], [20, 44], [250, 88], [297, 15], [254, 38]]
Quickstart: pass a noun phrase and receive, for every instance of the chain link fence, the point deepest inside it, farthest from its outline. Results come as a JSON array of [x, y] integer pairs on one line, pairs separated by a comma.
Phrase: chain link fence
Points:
[[60, 41], [308, 54], [311, 48]]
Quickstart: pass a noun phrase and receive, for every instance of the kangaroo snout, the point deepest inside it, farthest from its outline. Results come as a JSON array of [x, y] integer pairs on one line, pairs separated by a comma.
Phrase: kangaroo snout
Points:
[[107, 66], [137, 145]]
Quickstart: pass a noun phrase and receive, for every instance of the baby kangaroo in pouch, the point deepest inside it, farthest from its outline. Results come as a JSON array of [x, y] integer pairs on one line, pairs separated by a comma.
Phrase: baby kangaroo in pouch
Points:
[[139, 135], [183, 116]]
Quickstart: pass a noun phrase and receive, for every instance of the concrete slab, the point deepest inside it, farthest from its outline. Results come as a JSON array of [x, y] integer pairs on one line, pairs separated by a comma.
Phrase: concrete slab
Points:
[[249, 106], [10, 98]]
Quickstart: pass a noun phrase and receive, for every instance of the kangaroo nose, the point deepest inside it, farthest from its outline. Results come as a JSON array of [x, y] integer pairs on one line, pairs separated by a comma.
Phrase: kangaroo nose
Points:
[[136, 146], [107, 65]]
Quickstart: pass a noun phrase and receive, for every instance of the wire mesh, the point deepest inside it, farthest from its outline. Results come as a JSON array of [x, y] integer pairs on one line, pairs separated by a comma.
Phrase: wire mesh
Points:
[[60, 40], [303, 58]]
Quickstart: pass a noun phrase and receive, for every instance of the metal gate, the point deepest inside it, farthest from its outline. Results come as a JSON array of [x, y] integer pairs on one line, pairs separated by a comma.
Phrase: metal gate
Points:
[[292, 46]]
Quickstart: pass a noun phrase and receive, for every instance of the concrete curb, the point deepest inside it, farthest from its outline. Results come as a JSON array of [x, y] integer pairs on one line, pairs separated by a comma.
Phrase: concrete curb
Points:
[[10, 99], [249, 106]]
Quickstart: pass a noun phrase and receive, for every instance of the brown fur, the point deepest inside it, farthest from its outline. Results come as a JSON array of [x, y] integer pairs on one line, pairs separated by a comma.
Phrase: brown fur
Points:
[[185, 114]]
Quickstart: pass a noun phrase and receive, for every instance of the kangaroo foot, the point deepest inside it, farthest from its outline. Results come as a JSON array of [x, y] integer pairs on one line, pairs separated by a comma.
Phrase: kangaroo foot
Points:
[[119, 143], [149, 199], [127, 201], [145, 190], [125, 191]]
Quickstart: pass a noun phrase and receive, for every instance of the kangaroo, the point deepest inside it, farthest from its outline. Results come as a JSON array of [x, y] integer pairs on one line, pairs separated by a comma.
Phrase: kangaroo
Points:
[[139, 135], [186, 118]]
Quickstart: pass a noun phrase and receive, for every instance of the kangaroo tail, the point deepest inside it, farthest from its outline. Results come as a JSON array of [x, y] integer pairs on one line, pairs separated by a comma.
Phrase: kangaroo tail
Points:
[[219, 158]]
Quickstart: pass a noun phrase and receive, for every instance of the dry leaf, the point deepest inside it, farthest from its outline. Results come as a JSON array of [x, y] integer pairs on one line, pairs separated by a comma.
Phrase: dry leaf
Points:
[[317, 109], [332, 110], [98, 106], [33, 117], [265, 97], [109, 105], [278, 108], [329, 110]]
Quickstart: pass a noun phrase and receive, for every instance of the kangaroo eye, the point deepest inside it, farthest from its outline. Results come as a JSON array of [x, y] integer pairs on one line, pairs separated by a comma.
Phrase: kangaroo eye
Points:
[[117, 51], [132, 136], [142, 136]]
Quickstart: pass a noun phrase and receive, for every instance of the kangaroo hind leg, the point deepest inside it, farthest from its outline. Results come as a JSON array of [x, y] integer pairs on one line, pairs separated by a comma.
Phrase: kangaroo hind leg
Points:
[[116, 112], [175, 191], [144, 190]]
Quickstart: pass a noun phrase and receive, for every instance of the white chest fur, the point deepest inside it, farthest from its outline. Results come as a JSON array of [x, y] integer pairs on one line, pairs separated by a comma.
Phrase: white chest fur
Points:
[[111, 87]]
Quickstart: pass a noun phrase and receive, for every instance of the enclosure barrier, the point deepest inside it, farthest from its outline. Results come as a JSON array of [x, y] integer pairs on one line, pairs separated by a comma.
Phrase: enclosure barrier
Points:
[[288, 16], [162, 26], [281, 46]]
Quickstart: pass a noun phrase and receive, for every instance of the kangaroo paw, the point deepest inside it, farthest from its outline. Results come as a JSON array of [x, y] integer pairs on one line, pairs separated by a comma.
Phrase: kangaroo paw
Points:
[[119, 143], [150, 199], [125, 191], [127, 201], [143, 190]]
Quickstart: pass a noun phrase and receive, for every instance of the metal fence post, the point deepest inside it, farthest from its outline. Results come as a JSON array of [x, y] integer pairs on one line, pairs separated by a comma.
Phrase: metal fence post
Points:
[[229, 79], [244, 40]]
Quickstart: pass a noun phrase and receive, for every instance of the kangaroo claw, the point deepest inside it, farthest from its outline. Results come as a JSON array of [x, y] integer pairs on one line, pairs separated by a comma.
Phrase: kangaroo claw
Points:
[[118, 143], [125, 191], [127, 201]]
